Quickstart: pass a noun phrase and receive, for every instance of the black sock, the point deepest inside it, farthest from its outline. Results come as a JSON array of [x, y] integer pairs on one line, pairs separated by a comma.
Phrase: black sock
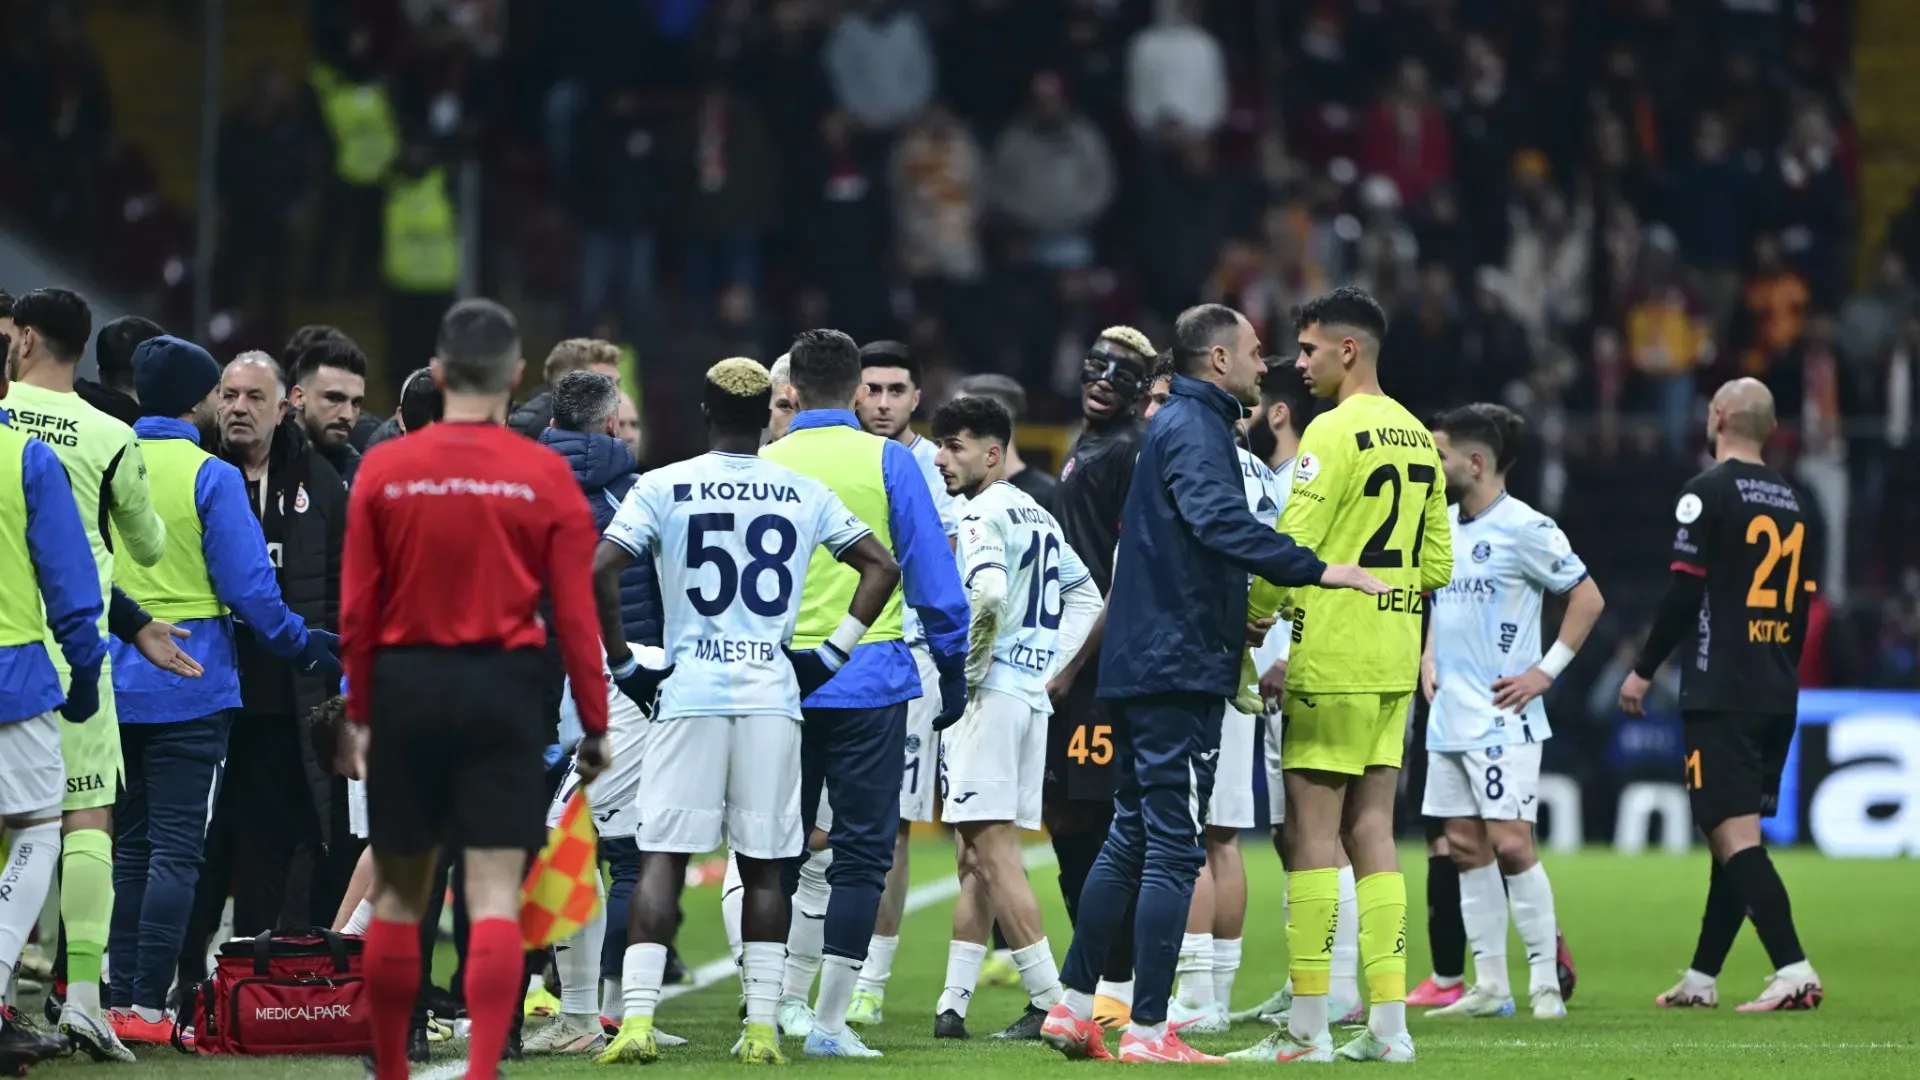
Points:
[[1446, 931], [1075, 853], [1760, 889], [999, 939], [1719, 923]]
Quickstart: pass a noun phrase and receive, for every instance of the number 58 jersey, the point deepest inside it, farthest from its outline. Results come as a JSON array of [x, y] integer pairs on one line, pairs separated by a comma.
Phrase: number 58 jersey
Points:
[[1367, 490], [731, 536]]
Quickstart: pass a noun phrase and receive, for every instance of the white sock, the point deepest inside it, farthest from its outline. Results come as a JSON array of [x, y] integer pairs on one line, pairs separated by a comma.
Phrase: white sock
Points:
[[1344, 978], [732, 894], [85, 997], [760, 974], [1193, 970], [1447, 982], [808, 930], [610, 995], [152, 1014], [1226, 965], [1149, 1033], [641, 974], [1530, 896], [1121, 992], [1799, 969], [33, 857], [838, 976], [1483, 908], [577, 960], [1039, 975], [963, 976], [1308, 1020], [879, 965], [362, 915], [1387, 1019], [536, 982], [1078, 1002]]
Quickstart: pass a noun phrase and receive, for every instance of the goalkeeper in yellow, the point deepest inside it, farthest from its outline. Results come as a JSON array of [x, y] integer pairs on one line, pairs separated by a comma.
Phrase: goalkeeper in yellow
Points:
[[1367, 489]]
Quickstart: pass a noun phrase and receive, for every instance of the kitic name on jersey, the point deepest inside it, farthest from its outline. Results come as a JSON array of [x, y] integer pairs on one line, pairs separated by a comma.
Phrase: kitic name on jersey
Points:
[[729, 491]]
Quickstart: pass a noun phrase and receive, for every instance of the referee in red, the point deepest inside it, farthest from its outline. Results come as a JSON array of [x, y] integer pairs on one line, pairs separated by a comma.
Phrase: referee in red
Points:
[[453, 536]]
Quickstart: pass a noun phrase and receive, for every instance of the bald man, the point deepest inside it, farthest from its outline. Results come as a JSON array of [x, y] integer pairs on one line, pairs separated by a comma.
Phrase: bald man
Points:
[[1738, 597]]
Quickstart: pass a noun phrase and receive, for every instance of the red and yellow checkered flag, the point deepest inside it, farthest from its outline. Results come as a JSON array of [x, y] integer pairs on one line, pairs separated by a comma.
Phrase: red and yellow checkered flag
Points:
[[562, 890]]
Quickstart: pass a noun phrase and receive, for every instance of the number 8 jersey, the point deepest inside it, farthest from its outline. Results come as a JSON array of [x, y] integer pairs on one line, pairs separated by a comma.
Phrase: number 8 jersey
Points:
[[1740, 526], [1366, 489], [730, 536], [1003, 527]]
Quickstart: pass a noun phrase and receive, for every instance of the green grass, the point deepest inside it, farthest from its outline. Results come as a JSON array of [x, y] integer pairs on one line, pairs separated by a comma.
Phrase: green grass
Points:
[[1631, 922]]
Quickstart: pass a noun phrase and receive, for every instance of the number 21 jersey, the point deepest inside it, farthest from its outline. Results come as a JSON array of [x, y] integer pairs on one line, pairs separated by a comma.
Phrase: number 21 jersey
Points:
[[1740, 526], [1003, 527], [734, 534]]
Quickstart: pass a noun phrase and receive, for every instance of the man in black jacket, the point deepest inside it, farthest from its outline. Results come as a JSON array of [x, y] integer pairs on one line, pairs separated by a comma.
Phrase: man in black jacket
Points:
[[113, 349], [328, 386], [277, 800]]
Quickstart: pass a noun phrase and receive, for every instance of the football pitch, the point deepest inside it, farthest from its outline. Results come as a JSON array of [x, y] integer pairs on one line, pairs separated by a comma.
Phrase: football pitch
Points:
[[1631, 922]]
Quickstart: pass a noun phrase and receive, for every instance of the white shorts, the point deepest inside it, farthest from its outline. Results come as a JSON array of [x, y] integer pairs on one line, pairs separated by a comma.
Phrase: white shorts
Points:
[[1232, 804], [1276, 777], [611, 795], [33, 775], [919, 781], [705, 779], [357, 808], [993, 762], [1499, 783]]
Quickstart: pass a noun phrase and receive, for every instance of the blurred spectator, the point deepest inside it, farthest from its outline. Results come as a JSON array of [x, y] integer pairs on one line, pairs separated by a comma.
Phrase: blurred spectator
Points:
[[618, 195], [1423, 357], [990, 49], [62, 116], [263, 171], [1708, 203], [1052, 176], [881, 64], [1667, 338], [727, 195], [1176, 74], [422, 260], [1486, 121], [1809, 203], [1872, 319], [1091, 63], [357, 114], [782, 71], [1494, 351], [937, 180], [843, 229], [1405, 137], [1181, 217], [1773, 308], [1547, 267]]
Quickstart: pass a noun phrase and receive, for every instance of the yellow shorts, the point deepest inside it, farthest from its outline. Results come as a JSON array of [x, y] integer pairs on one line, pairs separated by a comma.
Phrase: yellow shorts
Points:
[[92, 752], [1343, 733]]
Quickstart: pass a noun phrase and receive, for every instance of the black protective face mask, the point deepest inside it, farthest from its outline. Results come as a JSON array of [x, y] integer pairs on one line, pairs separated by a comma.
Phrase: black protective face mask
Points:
[[1122, 371]]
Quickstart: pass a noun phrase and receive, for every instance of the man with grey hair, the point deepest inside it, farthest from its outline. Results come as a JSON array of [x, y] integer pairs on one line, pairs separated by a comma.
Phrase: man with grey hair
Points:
[[1040, 486], [785, 402]]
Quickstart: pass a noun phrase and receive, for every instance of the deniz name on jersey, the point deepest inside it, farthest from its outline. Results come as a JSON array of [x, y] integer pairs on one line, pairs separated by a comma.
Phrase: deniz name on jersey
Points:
[[728, 491], [1767, 493], [733, 651], [48, 428]]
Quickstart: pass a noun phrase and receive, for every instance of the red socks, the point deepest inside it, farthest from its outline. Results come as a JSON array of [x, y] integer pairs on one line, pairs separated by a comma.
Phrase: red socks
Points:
[[393, 981], [496, 970]]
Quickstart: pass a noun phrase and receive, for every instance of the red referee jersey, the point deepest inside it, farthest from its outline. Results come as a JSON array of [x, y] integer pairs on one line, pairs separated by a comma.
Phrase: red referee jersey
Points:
[[454, 535]]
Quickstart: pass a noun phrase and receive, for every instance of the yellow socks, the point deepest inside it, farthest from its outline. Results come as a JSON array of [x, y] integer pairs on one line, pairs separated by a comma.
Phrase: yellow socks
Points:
[[1313, 910], [86, 902], [1383, 935]]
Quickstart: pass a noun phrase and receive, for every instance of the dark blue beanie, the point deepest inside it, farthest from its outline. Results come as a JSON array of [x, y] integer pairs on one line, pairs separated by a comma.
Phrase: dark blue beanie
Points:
[[172, 375]]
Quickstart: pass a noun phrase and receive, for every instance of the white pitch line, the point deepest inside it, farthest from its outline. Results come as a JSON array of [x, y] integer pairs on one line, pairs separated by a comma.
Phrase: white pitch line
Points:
[[714, 972]]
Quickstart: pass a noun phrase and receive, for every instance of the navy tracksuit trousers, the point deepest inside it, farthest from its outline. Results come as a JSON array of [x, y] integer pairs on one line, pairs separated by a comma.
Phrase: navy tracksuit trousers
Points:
[[859, 757]]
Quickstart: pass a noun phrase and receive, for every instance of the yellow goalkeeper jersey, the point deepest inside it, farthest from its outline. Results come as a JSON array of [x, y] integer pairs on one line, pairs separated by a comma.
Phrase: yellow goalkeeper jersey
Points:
[[1367, 489]]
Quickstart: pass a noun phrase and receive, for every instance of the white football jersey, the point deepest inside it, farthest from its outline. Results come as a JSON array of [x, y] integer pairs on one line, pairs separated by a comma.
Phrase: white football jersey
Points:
[[1004, 527], [1267, 493], [949, 508], [1486, 622], [731, 536]]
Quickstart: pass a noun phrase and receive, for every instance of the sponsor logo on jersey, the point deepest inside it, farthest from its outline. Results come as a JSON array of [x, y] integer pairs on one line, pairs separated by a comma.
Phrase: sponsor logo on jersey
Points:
[[1067, 469], [913, 744], [1494, 752], [300, 502], [1482, 551], [1307, 468], [48, 428], [1687, 511]]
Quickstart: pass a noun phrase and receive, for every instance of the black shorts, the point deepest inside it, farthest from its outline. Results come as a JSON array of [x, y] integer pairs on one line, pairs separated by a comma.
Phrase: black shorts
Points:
[[1082, 751], [1733, 763], [456, 755]]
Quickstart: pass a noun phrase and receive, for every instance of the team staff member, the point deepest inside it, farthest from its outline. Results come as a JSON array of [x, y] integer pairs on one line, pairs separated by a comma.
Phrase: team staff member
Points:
[[444, 677], [113, 353], [1367, 485], [1737, 597], [1039, 485], [891, 375], [1168, 667], [1081, 768], [855, 737], [328, 384], [109, 477], [41, 542], [173, 731]]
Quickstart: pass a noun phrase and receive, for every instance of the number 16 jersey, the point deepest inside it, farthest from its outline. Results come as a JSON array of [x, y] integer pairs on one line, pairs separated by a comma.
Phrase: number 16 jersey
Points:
[[731, 536], [1003, 527], [1740, 526]]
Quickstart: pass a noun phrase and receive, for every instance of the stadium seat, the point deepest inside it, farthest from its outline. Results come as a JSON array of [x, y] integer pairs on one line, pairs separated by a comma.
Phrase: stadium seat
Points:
[[1642, 802], [1563, 827]]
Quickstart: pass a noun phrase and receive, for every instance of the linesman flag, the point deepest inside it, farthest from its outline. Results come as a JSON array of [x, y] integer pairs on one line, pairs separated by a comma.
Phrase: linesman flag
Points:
[[562, 890]]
